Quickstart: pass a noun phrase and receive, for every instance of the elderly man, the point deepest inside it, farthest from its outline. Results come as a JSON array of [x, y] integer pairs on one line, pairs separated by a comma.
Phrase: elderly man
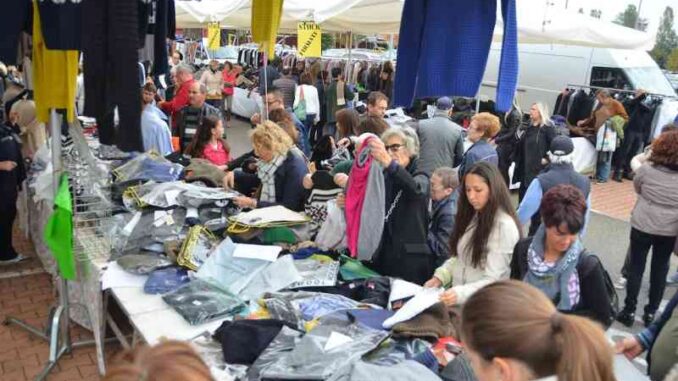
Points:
[[190, 117], [184, 80], [154, 130], [442, 140]]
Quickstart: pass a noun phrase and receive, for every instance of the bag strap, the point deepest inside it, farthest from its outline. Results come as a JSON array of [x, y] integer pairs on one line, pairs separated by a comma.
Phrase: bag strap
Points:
[[301, 92]]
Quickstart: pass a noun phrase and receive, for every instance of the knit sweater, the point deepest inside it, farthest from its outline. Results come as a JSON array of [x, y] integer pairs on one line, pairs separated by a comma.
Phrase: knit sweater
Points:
[[439, 56], [466, 279], [214, 82]]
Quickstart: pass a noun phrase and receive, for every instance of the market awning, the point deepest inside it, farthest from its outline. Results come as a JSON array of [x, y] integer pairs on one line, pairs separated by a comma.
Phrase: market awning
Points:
[[537, 22]]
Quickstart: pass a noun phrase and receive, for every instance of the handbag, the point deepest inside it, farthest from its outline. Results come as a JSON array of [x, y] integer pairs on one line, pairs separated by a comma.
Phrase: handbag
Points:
[[300, 108], [606, 139]]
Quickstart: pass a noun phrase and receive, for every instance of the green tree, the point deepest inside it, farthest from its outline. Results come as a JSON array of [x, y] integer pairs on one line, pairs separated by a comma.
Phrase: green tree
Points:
[[672, 61], [629, 18], [666, 40], [327, 41]]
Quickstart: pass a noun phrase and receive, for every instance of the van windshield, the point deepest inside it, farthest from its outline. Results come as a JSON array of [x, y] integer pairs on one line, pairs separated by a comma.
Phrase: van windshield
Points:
[[650, 79]]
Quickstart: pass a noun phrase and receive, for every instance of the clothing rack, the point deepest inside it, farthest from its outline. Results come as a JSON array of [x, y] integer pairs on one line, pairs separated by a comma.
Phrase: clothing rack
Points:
[[610, 89]]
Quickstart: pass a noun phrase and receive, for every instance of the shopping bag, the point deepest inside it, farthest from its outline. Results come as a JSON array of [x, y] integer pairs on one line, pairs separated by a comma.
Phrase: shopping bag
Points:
[[300, 109], [606, 138]]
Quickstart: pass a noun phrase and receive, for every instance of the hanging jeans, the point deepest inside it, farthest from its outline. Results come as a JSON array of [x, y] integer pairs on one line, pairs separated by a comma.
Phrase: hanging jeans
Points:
[[661, 254], [603, 166], [632, 144]]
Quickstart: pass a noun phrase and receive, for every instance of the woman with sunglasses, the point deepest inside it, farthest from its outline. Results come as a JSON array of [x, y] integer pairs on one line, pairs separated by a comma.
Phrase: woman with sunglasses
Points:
[[403, 251]]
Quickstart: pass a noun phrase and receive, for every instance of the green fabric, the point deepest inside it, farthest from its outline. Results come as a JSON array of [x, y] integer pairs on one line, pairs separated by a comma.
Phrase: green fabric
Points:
[[342, 167], [618, 126], [352, 269], [278, 235], [59, 230]]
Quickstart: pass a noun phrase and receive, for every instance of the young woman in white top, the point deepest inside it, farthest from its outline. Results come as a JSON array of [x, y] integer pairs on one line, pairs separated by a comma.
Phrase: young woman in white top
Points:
[[309, 93], [485, 232]]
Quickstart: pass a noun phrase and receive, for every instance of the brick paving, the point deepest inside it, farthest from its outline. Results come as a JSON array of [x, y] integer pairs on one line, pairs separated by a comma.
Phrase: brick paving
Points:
[[27, 293], [613, 199]]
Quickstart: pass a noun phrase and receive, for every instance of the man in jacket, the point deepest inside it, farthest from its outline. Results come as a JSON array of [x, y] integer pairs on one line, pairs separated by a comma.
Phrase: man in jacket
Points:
[[287, 87], [12, 174], [184, 81], [190, 117], [444, 182], [560, 171], [337, 96], [442, 141]]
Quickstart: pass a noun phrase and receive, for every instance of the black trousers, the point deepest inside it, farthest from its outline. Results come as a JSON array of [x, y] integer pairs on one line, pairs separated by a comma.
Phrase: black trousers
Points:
[[662, 246], [632, 144], [7, 217]]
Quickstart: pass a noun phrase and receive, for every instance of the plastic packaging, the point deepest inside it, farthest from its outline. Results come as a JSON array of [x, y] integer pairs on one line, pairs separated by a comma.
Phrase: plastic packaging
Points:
[[325, 350], [148, 166], [316, 273], [199, 302], [165, 280], [283, 343], [142, 264], [196, 248]]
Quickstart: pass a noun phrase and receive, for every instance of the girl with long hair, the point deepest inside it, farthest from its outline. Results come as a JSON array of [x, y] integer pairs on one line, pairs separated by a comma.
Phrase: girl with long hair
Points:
[[485, 232], [208, 143]]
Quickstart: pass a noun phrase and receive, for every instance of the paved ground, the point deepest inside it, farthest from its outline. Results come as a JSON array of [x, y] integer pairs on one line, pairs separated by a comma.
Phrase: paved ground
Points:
[[27, 290]]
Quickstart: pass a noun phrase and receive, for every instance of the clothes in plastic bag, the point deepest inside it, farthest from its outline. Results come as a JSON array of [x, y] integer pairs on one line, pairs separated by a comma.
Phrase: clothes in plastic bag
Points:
[[286, 340], [276, 276], [371, 317], [199, 302], [284, 306], [134, 231], [243, 341], [332, 233], [316, 273], [330, 347], [197, 247], [323, 304], [172, 194], [148, 166], [142, 264], [230, 273], [352, 269], [165, 280], [394, 351], [407, 370]]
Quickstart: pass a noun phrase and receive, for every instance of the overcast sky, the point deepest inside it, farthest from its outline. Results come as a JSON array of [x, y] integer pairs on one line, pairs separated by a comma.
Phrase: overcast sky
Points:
[[652, 10]]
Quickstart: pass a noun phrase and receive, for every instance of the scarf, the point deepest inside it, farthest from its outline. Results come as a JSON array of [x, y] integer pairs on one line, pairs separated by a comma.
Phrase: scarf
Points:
[[266, 173], [340, 93], [559, 281]]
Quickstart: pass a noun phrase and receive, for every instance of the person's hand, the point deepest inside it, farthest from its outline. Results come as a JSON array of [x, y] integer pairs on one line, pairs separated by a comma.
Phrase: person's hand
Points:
[[344, 142], [629, 347], [256, 118], [341, 179], [341, 200], [229, 180], [308, 182], [449, 297], [378, 151], [7, 165], [433, 283], [245, 202]]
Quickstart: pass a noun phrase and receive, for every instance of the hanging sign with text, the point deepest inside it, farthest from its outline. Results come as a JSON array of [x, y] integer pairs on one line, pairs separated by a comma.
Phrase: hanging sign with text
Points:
[[308, 39]]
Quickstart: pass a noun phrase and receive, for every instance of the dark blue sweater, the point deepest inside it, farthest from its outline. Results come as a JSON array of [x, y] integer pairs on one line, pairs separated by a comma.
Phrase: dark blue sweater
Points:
[[443, 50]]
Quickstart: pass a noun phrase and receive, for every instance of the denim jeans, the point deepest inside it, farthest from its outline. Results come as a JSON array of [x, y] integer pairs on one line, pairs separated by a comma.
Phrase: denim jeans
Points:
[[661, 254], [603, 165]]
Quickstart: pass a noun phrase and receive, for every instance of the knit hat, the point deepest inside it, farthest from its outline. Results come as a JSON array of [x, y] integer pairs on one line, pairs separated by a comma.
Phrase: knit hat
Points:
[[561, 146], [432, 324], [444, 103]]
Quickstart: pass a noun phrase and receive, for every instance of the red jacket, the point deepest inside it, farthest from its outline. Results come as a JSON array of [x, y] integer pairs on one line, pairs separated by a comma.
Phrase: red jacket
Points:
[[179, 101], [229, 77]]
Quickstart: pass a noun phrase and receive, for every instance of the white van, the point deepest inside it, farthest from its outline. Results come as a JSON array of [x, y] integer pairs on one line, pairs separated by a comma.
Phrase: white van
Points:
[[546, 69]]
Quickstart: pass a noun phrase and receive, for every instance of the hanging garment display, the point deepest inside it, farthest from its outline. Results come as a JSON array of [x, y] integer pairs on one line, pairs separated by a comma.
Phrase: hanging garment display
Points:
[[457, 67], [54, 75], [11, 25], [110, 65]]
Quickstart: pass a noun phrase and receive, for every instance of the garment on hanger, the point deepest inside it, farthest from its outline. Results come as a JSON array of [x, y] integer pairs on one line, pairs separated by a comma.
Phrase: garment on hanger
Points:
[[54, 73], [61, 23], [11, 24], [110, 69]]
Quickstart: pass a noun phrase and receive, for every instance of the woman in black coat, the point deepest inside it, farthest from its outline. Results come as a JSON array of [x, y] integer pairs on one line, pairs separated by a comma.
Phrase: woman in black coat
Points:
[[556, 262], [12, 174], [403, 252], [506, 140]]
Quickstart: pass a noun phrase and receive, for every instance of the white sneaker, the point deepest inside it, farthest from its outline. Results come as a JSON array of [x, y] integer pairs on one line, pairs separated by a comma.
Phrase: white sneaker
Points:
[[12, 261], [621, 283], [672, 280]]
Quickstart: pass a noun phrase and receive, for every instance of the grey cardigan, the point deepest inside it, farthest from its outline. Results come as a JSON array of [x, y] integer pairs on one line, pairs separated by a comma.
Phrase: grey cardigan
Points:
[[656, 211]]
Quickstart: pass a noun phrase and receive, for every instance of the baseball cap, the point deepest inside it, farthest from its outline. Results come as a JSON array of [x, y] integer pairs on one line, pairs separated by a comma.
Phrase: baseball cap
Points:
[[561, 146], [444, 103]]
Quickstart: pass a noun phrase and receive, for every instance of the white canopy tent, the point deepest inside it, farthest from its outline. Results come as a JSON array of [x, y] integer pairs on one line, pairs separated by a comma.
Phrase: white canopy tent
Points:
[[556, 25]]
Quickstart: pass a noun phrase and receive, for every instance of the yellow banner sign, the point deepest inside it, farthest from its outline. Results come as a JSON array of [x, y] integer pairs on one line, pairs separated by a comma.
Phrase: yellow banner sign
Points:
[[213, 36], [308, 39]]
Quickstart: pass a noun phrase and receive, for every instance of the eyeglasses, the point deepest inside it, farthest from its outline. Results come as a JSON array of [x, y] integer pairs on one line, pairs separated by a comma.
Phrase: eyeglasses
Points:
[[394, 147]]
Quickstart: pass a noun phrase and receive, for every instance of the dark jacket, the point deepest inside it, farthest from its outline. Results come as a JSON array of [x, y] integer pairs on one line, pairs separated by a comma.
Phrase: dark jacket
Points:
[[10, 150], [289, 190], [479, 151], [594, 302], [532, 148], [440, 229], [331, 106], [649, 335], [403, 251], [442, 143]]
